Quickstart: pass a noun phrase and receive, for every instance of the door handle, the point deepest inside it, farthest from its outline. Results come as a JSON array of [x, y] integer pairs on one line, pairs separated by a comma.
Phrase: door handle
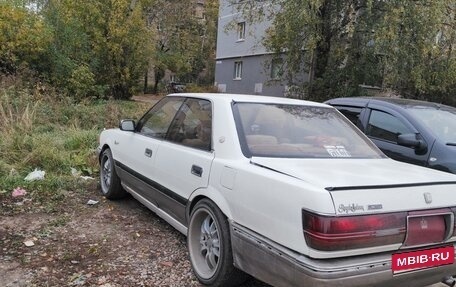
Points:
[[148, 152], [197, 170]]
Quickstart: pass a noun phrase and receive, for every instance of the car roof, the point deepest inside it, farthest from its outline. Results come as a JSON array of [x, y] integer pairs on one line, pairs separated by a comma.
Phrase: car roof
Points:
[[397, 102], [248, 99]]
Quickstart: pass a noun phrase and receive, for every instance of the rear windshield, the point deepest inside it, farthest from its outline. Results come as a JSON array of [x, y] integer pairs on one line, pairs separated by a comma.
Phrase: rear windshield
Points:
[[294, 131]]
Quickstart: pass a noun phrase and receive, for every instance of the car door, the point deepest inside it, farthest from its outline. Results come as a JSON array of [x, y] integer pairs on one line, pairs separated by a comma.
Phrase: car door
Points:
[[383, 128], [184, 160], [137, 150]]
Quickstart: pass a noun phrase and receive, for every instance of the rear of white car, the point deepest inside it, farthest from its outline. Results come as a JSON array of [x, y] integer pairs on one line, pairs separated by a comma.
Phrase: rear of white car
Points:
[[382, 236], [389, 224], [289, 192]]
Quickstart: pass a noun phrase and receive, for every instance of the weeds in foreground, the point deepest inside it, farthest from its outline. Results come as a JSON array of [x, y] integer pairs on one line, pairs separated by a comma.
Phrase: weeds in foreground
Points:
[[16, 116], [55, 134]]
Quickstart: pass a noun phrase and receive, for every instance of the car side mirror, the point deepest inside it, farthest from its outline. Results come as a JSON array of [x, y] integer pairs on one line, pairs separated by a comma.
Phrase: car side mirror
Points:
[[127, 125], [411, 140]]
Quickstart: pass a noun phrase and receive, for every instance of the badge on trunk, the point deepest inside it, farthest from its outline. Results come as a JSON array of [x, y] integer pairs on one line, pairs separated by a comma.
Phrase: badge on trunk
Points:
[[427, 197]]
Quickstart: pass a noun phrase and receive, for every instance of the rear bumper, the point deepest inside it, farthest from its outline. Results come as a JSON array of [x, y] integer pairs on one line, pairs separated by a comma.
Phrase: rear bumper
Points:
[[280, 266]]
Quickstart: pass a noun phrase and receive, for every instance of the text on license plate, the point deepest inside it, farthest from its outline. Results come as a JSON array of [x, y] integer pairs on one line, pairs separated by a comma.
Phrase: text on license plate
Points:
[[413, 260]]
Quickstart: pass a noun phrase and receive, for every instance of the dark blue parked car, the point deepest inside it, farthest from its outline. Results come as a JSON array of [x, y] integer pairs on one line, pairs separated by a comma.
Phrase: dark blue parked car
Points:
[[417, 132]]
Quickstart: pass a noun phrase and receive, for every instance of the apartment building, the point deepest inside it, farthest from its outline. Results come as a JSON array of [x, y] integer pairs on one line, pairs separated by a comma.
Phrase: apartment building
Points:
[[243, 64]]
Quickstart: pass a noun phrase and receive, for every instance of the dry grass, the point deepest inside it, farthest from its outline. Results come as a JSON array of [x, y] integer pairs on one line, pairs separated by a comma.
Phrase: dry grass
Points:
[[42, 129], [13, 117]]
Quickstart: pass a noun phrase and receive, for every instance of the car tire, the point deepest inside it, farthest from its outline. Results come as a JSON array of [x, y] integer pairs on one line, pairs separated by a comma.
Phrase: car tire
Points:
[[209, 247], [110, 184]]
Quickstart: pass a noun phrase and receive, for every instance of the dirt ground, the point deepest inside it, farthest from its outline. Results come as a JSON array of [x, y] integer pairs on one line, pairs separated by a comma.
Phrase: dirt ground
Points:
[[111, 243]]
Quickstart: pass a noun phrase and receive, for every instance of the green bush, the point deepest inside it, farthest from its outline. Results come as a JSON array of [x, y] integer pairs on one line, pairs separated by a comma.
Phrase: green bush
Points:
[[82, 83]]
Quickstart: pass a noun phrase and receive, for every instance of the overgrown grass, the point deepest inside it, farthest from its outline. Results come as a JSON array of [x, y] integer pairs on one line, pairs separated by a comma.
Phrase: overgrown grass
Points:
[[40, 129]]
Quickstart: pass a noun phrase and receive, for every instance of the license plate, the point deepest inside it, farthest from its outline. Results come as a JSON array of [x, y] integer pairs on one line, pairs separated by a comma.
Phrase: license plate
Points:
[[416, 260]]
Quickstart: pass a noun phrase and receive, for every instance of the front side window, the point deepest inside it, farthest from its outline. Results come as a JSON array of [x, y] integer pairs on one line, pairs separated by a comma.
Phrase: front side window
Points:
[[442, 121], [385, 126], [238, 70], [157, 121], [192, 125], [296, 131]]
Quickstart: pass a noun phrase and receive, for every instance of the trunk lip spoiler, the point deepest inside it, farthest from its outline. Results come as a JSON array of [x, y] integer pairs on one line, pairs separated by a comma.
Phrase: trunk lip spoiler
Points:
[[385, 186]]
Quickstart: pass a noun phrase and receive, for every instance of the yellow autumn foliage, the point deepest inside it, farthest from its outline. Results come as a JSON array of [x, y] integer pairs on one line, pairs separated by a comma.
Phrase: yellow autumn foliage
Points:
[[24, 37]]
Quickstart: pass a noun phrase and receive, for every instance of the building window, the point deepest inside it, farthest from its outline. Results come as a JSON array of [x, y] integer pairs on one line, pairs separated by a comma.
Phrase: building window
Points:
[[276, 69], [238, 70], [241, 31]]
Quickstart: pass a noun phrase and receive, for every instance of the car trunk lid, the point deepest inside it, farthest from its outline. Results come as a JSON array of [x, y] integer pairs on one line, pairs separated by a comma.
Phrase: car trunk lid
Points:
[[360, 186], [367, 196]]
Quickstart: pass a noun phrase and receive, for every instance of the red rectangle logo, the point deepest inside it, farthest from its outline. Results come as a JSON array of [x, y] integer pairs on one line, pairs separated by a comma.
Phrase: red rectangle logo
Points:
[[414, 260]]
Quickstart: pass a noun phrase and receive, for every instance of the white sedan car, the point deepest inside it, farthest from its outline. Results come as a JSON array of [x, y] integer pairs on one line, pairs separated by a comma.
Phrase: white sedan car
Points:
[[285, 190]]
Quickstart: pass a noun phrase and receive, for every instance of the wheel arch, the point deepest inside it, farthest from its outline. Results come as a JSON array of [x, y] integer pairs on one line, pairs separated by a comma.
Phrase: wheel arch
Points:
[[103, 148], [211, 194]]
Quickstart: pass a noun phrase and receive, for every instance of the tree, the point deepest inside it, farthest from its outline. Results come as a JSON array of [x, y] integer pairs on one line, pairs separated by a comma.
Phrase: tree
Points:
[[418, 38], [24, 37], [342, 44], [100, 47], [184, 43], [103, 48], [203, 67]]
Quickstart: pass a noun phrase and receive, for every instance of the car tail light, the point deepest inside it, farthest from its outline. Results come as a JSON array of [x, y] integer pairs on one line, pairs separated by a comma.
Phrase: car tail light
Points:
[[429, 226], [330, 233]]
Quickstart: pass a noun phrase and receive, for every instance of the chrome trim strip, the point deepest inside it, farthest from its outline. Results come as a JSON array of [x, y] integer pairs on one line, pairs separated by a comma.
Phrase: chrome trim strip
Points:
[[271, 169], [168, 218]]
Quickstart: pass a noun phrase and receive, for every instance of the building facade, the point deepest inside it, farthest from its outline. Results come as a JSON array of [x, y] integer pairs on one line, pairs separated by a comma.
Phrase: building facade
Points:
[[243, 64]]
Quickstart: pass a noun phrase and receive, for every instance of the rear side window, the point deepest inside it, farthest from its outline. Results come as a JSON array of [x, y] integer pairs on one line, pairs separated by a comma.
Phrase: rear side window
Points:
[[192, 125], [385, 126]]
